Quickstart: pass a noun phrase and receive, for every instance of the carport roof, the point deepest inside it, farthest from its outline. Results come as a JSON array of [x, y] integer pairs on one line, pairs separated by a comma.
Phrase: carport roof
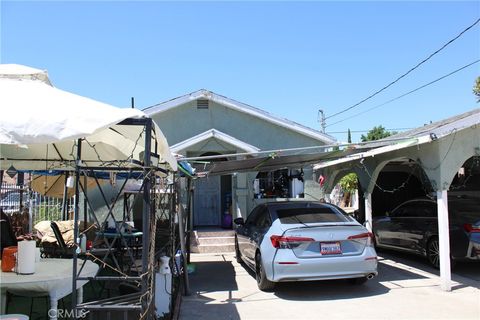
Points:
[[411, 138], [421, 135], [445, 127], [274, 162]]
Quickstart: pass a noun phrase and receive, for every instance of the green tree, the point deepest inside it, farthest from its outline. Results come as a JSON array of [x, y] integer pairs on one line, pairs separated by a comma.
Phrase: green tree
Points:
[[376, 133], [349, 185], [349, 137], [476, 88]]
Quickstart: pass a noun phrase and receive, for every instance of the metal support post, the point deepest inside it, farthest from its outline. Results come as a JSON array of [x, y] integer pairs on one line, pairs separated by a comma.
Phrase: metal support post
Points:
[[75, 223], [146, 209]]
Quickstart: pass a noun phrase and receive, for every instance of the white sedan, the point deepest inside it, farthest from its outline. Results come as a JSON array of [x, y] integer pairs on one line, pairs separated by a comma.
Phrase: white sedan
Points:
[[304, 241]]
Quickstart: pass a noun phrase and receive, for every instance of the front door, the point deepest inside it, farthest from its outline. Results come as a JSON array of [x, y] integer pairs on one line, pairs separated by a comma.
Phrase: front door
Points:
[[207, 202]]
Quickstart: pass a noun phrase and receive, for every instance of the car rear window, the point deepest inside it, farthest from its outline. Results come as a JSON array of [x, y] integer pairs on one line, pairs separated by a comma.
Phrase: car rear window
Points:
[[310, 215]]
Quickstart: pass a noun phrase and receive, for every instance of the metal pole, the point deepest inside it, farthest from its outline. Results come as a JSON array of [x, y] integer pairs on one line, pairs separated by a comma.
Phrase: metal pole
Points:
[[189, 216], [75, 223], [146, 208], [65, 191], [321, 119], [181, 230], [85, 213]]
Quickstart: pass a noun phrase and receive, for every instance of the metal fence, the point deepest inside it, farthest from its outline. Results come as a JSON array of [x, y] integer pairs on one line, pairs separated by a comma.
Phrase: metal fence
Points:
[[22, 201]]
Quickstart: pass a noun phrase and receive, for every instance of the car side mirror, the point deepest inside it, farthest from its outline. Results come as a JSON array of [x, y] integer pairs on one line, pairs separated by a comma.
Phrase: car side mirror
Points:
[[239, 221]]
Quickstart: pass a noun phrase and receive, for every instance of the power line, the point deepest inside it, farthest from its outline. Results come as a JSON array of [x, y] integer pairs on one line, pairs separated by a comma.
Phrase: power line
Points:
[[407, 93], [406, 73], [362, 131]]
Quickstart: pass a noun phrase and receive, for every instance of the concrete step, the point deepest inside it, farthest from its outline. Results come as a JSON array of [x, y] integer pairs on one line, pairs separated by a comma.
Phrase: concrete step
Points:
[[216, 233], [212, 241], [216, 240], [213, 248]]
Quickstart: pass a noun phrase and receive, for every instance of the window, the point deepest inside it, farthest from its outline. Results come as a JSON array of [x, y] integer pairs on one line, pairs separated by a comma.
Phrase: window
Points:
[[310, 215], [283, 183], [252, 217], [263, 219], [417, 209], [427, 210], [259, 218]]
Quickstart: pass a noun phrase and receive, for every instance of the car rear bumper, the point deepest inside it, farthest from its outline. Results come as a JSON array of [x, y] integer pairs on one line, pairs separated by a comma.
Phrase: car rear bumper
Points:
[[287, 267]]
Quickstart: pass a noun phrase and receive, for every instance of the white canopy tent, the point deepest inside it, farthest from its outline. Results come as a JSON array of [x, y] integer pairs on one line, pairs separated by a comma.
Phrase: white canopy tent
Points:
[[40, 125], [45, 128]]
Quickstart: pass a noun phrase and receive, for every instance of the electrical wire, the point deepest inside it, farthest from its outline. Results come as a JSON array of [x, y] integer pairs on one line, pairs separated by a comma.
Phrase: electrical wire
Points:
[[362, 131], [406, 73], [407, 93]]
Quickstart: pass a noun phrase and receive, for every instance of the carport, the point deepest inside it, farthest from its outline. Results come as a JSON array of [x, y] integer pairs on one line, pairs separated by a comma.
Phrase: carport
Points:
[[437, 151], [440, 149]]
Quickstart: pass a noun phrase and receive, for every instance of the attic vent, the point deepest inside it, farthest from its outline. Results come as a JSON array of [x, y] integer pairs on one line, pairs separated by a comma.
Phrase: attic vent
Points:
[[202, 104]]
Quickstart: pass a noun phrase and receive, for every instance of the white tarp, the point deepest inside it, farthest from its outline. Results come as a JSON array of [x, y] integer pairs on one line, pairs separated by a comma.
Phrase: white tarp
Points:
[[39, 126]]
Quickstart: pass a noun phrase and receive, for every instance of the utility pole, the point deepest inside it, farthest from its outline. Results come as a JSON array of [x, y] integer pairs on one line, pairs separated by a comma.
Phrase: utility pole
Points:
[[321, 119]]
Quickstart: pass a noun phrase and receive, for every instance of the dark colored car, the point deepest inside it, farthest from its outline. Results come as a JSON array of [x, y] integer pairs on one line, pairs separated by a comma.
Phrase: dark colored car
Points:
[[413, 227]]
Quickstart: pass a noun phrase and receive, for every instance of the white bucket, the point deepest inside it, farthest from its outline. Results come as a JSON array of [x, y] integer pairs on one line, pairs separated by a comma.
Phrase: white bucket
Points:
[[26, 257]]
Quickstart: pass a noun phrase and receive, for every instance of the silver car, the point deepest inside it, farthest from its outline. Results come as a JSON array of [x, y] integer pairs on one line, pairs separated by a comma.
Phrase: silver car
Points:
[[304, 241]]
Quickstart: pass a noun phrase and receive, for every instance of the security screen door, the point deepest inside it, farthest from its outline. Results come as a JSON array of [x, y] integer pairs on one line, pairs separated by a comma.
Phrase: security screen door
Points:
[[207, 202]]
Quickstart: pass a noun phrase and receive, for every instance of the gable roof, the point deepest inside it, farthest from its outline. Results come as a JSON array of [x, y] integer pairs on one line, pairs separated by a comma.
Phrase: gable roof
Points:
[[213, 133], [241, 107]]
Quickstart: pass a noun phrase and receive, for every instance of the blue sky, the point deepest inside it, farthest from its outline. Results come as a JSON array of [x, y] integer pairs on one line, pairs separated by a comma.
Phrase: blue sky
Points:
[[288, 58]]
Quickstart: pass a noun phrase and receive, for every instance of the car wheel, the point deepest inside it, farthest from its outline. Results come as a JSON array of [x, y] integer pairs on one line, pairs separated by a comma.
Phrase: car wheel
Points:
[[238, 256], [358, 281], [433, 252], [263, 283]]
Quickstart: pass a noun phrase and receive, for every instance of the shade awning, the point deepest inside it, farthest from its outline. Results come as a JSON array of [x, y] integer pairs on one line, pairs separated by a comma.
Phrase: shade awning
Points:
[[274, 162]]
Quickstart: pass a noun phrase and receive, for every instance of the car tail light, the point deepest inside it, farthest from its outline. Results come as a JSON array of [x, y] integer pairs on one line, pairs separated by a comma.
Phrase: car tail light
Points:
[[471, 228], [288, 242], [368, 236]]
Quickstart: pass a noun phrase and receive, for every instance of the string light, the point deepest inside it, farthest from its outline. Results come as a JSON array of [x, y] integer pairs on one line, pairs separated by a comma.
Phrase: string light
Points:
[[402, 185]]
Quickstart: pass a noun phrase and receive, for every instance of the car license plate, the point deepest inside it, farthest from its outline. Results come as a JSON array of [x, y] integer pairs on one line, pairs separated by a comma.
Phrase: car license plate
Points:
[[330, 248]]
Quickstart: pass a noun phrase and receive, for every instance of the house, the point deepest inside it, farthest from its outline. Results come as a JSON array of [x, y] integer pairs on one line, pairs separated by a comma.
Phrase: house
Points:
[[206, 124]]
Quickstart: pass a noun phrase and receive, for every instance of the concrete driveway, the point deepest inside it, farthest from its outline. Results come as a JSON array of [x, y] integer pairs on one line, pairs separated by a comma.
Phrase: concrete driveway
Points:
[[405, 289]]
